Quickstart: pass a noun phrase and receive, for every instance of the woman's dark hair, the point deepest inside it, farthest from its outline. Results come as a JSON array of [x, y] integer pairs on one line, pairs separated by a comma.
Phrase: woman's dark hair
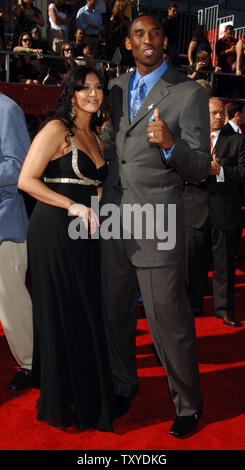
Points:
[[172, 5], [202, 55], [63, 46], [57, 4], [200, 31], [73, 81]]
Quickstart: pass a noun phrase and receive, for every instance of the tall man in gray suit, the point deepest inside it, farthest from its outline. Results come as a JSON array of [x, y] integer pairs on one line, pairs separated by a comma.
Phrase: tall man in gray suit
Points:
[[160, 132]]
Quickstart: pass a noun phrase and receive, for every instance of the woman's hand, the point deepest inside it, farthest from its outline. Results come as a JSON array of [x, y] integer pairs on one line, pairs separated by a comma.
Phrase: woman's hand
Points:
[[200, 65], [87, 214]]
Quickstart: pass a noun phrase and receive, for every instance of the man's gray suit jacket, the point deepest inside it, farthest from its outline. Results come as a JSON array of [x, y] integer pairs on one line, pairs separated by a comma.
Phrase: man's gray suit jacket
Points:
[[138, 170]]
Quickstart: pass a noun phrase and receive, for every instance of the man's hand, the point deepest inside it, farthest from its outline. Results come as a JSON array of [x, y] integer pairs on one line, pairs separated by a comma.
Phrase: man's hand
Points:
[[231, 50], [215, 167], [200, 65], [159, 133]]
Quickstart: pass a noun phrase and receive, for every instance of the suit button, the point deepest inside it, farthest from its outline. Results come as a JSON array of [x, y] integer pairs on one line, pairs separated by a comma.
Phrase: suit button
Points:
[[123, 162]]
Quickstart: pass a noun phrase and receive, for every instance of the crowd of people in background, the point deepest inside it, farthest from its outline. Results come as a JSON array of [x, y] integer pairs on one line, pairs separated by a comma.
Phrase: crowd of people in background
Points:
[[95, 30], [91, 29]]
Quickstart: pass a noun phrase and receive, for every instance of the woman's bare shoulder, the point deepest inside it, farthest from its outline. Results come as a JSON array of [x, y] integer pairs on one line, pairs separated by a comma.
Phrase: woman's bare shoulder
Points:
[[54, 133], [55, 128]]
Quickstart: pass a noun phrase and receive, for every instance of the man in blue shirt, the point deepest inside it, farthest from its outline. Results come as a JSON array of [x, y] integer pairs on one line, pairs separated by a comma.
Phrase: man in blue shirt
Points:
[[157, 137], [15, 301], [90, 20]]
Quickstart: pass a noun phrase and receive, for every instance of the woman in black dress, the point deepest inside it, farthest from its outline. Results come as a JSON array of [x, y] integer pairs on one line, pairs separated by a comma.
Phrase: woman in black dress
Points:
[[70, 362]]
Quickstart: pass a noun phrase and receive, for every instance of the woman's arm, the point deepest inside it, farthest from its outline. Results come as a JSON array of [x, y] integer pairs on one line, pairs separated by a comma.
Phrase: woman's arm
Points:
[[16, 10], [239, 51], [27, 49], [48, 144], [191, 49], [55, 18], [38, 19]]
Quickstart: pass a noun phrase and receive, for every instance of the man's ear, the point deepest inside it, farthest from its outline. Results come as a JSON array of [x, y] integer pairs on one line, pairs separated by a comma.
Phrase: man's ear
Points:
[[128, 44]]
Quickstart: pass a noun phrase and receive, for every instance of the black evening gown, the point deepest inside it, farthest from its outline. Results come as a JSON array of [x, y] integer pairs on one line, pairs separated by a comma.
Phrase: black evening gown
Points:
[[70, 361]]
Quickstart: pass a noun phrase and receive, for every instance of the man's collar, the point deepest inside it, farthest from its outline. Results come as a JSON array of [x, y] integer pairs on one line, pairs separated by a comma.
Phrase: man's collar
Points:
[[155, 73], [234, 126], [216, 133], [88, 9]]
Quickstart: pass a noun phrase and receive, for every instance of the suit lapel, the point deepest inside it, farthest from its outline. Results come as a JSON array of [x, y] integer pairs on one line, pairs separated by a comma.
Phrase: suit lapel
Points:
[[220, 144], [125, 87], [159, 91]]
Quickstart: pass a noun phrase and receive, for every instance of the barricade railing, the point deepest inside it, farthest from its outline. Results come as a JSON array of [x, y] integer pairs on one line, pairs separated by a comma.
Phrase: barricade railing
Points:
[[38, 99], [8, 54], [105, 62]]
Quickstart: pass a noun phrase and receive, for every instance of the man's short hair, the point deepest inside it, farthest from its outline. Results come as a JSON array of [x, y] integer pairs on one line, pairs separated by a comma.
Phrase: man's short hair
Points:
[[172, 5], [158, 21], [234, 107], [229, 27]]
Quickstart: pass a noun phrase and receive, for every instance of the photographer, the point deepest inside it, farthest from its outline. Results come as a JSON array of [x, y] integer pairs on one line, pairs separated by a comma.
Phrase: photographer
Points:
[[203, 64]]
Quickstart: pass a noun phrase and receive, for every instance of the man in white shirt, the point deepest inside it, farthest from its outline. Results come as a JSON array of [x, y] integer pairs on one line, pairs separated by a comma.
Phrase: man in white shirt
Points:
[[90, 20], [236, 116], [212, 218]]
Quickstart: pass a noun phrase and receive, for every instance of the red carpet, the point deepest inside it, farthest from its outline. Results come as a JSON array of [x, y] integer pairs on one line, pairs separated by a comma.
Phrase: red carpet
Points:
[[146, 426]]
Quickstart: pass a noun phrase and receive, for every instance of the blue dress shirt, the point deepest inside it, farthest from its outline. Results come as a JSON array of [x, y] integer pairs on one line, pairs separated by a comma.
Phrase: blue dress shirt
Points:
[[14, 145], [150, 80], [85, 17]]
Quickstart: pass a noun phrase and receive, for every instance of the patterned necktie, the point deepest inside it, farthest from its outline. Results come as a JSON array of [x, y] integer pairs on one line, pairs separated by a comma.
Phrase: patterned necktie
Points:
[[239, 130], [138, 98]]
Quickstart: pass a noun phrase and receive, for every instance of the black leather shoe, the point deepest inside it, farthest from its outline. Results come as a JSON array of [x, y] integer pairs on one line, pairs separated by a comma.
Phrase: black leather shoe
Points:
[[231, 322], [184, 425], [21, 380], [122, 405]]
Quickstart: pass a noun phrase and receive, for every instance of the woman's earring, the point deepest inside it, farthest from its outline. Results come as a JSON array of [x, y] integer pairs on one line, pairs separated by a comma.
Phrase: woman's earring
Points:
[[98, 113], [73, 111]]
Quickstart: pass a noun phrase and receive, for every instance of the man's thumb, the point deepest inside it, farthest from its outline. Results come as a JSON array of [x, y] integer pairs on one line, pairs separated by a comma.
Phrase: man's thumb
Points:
[[156, 114]]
